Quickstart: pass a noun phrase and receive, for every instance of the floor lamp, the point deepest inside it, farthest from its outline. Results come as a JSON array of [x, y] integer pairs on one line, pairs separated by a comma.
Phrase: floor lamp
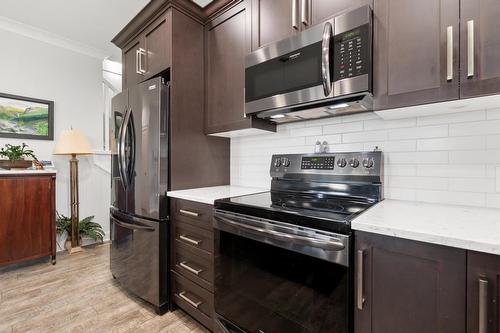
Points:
[[73, 142]]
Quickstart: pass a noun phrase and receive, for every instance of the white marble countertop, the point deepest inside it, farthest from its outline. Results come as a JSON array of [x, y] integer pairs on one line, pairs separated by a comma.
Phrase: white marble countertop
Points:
[[463, 227], [26, 171], [209, 194]]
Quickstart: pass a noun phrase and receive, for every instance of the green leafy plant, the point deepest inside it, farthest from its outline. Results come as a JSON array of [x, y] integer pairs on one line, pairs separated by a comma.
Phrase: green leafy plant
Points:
[[15, 153], [87, 227]]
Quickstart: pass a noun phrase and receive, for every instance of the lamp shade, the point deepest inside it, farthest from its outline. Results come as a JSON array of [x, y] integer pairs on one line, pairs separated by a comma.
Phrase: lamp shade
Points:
[[72, 142]]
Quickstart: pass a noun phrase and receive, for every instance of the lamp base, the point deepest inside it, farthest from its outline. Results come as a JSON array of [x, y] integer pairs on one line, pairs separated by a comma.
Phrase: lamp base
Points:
[[76, 249]]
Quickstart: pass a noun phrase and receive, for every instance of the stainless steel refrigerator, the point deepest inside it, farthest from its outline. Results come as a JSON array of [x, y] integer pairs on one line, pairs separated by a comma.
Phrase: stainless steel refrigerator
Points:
[[139, 183]]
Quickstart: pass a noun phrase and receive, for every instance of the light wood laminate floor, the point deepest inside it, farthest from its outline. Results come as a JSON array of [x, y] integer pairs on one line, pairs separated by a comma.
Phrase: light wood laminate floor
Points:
[[78, 295]]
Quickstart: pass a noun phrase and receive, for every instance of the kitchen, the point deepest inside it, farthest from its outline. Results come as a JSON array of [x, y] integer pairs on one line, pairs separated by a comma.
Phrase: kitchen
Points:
[[295, 166]]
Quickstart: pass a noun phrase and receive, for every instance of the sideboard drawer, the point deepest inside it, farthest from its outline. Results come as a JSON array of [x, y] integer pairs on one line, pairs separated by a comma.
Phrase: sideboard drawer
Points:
[[194, 264], [192, 236], [191, 212]]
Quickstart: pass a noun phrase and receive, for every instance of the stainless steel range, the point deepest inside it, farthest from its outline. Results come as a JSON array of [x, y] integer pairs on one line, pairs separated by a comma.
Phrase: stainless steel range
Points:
[[283, 259]]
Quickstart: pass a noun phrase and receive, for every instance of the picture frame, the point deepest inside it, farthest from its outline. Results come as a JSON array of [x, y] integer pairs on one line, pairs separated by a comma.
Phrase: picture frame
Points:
[[26, 117]]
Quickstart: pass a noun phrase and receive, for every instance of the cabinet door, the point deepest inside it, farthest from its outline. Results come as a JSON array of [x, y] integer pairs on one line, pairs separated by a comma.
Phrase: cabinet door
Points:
[[407, 286], [130, 64], [320, 10], [480, 48], [158, 45], [26, 218], [415, 52], [273, 20], [227, 43], [483, 276]]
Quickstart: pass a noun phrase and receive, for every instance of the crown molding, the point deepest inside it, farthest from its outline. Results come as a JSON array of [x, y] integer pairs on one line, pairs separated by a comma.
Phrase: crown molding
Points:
[[32, 32]]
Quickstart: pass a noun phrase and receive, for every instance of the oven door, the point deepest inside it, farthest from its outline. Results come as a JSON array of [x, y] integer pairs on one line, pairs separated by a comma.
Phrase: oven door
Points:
[[272, 277], [294, 71]]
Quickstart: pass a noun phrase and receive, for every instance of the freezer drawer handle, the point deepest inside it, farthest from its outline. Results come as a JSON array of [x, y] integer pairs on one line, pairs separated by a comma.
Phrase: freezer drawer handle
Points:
[[182, 295], [132, 226], [184, 264], [188, 213], [190, 240]]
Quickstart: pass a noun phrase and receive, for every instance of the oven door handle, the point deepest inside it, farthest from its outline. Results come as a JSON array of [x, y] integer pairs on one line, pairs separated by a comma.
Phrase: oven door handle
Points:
[[328, 245]]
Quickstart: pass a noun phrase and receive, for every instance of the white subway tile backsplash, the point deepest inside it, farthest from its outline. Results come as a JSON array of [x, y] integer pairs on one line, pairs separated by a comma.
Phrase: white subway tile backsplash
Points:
[[437, 131], [475, 128], [448, 158], [452, 118], [457, 143], [343, 128], [364, 136]]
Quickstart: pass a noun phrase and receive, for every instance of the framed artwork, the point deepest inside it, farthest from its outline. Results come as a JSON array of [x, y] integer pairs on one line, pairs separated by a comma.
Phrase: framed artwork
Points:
[[26, 118]]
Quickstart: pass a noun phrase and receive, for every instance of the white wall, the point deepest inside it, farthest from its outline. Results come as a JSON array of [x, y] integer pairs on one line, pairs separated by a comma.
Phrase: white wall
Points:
[[74, 82], [452, 158]]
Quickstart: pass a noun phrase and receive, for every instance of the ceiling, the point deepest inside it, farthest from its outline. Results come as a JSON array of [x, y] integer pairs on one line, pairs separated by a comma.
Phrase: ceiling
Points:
[[202, 3], [89, 22]]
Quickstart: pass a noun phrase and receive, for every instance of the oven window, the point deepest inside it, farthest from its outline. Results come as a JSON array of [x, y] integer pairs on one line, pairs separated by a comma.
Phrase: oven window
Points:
[[263, 288], [294, 71]]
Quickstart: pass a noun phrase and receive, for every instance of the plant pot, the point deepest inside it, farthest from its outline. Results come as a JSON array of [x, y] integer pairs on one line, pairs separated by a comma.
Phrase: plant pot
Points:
[[67, 244], [18, 164]]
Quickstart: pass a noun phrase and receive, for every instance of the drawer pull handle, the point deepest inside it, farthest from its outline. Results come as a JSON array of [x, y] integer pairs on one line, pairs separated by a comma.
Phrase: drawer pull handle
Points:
[[184, 265], [188, 213], [360, 295], [182, 295], [190, 240]]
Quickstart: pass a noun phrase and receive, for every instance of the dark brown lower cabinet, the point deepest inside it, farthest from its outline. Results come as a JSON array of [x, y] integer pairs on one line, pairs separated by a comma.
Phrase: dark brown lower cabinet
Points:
[[407, 286], [27, 218], [483, 275], [192, 259]]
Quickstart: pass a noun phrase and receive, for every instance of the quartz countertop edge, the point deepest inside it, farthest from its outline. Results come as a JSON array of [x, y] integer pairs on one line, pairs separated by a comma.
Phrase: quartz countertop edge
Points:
[[4, 172], [208, 195], [470, 228]]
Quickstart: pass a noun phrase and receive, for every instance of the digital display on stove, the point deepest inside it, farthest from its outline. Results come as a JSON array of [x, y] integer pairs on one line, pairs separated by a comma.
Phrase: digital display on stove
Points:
[[318, 162]]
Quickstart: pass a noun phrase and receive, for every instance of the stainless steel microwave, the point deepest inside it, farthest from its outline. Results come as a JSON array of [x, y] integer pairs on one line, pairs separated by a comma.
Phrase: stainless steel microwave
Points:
[[323, 71]]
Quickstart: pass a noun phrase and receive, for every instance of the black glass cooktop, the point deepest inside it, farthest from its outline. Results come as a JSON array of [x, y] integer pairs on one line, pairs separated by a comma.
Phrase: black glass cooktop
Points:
[[332, 213]]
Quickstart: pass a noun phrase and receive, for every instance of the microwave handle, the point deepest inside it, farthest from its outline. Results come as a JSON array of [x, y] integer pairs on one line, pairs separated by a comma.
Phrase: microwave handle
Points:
[[325, 58]]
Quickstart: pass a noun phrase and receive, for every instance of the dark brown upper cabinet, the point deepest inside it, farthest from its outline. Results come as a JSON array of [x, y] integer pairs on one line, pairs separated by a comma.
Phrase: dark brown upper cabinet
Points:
[[480, 48], [407, 286], [130, 65], [483, 276], [273, 20], [227, 42], [320, 10], [416, 52], [148, 54]]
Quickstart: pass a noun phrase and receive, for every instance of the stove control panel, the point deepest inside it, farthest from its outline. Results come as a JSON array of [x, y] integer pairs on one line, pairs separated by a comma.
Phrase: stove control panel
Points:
[[344, 165]]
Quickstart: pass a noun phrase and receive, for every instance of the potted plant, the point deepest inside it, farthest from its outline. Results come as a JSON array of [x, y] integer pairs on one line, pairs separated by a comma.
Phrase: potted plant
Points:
[[87, 228], [16, 156]]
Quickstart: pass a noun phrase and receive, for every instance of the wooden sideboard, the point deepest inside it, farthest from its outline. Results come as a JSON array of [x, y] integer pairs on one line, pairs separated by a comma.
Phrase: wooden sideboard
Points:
[[27, 217]]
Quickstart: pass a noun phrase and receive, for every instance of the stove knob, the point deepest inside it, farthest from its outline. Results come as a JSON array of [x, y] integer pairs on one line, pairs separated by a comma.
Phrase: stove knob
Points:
[[354, 163], [342, 163], [277, 163], [286, 162], [368, 163]]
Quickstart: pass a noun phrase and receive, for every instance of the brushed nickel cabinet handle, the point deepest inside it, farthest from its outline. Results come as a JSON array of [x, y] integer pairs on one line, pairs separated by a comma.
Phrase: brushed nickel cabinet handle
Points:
[[137, 59], [360, 299], [483, 305], [184, 264], [182, 295], [190, 240], [295, 14], [304, 12], [188, 212], [449, 53], [470, 48]]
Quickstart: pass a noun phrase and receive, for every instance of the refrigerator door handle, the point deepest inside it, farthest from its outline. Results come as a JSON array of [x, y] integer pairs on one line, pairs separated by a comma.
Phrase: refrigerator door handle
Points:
[[121, 150], [132, 226], [122, 156]]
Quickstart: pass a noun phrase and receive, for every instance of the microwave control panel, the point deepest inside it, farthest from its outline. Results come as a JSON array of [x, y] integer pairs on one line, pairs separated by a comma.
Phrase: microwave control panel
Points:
[[352, 50]]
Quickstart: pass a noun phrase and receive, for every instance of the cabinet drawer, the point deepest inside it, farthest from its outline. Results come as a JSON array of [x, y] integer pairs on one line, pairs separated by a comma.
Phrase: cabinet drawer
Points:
[[193, 299], [192, 236], [194, 264], [191, 212]]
